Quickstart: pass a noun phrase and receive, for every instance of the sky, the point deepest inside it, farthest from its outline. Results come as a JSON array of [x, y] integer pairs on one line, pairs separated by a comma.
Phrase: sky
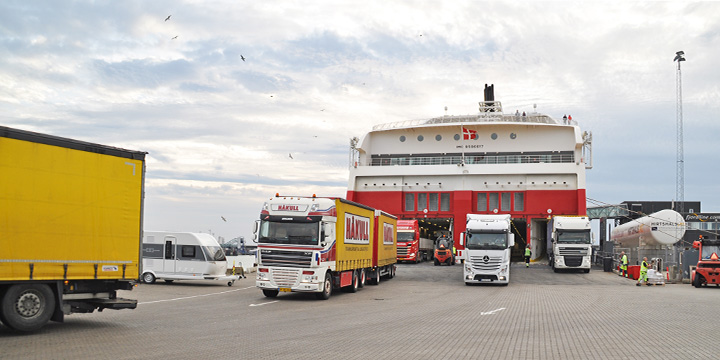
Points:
[[220, 131]]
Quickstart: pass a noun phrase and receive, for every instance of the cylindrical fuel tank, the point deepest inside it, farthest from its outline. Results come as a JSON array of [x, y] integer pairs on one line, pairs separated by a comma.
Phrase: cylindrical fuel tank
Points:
[[664, 227]]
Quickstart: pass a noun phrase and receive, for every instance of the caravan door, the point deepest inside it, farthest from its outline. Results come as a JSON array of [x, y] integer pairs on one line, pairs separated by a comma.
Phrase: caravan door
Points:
[[169, 262]]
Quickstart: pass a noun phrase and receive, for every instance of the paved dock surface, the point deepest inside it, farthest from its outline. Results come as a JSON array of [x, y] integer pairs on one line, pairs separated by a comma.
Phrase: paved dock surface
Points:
[[425, 312]]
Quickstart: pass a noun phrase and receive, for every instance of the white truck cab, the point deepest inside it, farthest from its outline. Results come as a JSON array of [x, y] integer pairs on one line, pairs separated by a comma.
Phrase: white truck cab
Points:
[[570, 243], [488, 241]]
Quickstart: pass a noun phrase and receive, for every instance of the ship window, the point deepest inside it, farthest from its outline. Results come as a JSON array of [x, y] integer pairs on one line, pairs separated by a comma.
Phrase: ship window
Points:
[[513, 135], [519, 202], [445, 202], [433, 202], [422, 201], [421, 138], [505, 205], [482, 202], [409, 202], [494, 136], [493, 199], [438, 137], [456, 137], [402, 138]]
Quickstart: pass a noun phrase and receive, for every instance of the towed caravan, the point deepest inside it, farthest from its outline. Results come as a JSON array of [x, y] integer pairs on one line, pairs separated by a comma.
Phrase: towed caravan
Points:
[[183, 256]]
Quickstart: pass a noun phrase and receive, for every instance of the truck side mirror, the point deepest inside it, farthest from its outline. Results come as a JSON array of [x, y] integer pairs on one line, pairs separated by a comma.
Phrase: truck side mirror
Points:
[[462, 239], [256, 226], [328, 234], [511, 240]]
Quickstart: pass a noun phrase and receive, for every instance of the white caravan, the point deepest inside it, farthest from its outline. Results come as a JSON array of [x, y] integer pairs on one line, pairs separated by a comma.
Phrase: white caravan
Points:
[[183, 256], [488, 241]]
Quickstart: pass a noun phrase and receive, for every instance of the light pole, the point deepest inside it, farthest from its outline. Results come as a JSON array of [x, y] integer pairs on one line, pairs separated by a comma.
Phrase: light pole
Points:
[[680, 166]]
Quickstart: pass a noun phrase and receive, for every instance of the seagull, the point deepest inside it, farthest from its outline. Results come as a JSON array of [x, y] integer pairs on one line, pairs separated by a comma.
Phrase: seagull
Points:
[[174, 37], [290, 155], [242, 57], [222, 217], [168, 18], [322, 110]]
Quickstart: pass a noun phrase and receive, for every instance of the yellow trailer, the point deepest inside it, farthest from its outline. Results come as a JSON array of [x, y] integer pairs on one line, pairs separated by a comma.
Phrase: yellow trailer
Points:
[[70, 227]]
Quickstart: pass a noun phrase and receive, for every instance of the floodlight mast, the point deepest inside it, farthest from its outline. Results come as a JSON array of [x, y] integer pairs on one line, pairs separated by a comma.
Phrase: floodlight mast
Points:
[[680, 165]]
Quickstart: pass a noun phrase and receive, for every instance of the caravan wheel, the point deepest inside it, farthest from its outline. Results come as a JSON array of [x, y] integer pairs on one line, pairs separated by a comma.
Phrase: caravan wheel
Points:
[[148, 278]]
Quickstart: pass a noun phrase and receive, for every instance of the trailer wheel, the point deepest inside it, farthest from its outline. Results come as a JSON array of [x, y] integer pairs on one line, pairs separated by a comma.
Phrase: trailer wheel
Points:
[[363, 278], [437, 263], [27, 307], [148, 278], [376, 277], [392, 271], [355, 282], [327, 288], [270, 293]]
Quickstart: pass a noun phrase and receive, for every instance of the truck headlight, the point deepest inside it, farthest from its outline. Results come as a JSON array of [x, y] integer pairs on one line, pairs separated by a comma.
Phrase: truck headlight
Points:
[[468, 267], [503, 269]]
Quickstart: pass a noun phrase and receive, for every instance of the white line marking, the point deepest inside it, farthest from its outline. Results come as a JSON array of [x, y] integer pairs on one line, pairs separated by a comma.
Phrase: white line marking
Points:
[[264, 303], [491, 312], [195, 296]]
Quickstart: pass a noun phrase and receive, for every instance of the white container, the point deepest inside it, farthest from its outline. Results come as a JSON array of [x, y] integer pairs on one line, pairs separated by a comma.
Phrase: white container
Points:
[[665, 227]]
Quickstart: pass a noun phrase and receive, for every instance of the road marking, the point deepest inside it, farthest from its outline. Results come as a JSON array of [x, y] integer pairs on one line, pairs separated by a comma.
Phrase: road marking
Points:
[[264, 303], [491, 312], [194, 296]]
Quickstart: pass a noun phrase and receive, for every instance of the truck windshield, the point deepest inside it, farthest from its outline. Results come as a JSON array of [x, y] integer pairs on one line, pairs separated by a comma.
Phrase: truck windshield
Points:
[[486, 241], [573, 237], [214, 253], [405, 236], [289, 233]]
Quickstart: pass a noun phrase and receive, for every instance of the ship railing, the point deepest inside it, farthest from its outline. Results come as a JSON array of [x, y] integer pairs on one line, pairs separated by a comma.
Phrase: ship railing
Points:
[[472, 160], [483, 117]]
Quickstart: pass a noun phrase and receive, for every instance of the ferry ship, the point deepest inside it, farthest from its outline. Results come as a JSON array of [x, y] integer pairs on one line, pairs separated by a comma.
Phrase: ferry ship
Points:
[[438, 170]]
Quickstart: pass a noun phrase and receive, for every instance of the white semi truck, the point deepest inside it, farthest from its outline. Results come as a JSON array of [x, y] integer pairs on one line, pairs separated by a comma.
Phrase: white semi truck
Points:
[[569, 243], [488, 241]]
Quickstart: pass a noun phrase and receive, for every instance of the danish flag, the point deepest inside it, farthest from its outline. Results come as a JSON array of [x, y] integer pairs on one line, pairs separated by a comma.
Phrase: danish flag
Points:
[[469, 134]]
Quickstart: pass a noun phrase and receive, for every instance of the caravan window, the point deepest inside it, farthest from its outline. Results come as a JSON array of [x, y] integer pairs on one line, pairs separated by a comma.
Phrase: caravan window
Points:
[[214, 253], [191, 252]]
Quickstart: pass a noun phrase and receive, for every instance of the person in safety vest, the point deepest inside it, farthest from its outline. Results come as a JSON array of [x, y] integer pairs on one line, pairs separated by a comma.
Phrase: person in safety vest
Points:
[[623, 264], [528, 253], [643, 272]]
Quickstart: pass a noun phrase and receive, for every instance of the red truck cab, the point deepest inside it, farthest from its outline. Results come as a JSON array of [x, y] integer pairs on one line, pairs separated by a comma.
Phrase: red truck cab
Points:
[[408, 239]]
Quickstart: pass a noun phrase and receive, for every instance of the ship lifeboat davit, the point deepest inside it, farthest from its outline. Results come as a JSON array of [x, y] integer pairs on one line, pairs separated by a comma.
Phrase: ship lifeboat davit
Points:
[[665, 227]]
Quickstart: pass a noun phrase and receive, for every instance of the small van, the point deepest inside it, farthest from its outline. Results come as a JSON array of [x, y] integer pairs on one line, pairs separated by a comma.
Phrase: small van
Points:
[[183, 256]]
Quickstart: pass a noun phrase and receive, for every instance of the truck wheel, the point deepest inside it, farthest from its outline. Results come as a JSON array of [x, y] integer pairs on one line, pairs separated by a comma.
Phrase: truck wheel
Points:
[[148, 278], [355, 283], [27, 307], [270, 293], [586, 270], [363, 278], [392, 272], [327, 288], [376, 279]]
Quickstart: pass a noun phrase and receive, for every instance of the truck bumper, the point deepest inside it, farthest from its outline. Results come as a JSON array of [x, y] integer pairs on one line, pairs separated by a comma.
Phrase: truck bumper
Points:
[[290, 280], [572, 262], [477, 278]]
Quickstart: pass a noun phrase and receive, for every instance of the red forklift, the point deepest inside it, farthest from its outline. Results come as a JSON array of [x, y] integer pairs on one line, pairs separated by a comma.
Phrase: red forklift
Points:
[[444, 251], [708, 267]]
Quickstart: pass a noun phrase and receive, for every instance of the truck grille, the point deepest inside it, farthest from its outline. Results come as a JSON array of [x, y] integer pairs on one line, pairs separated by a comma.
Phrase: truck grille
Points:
[[573, 260], [300, 259], [285, 277], [402, 251], [485, 263], [570, 251]]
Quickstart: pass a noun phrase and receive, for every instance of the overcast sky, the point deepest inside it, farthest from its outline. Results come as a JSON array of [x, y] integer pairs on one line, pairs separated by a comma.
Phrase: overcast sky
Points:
[[219, 130]]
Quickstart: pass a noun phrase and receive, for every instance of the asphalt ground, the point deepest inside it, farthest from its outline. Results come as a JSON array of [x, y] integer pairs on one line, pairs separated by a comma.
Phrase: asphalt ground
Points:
[[425, 312]]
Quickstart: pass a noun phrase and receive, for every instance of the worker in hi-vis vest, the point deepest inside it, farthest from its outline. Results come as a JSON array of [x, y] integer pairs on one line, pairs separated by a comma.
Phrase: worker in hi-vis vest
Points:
[[623, 264], [643, 272], [528, 253]]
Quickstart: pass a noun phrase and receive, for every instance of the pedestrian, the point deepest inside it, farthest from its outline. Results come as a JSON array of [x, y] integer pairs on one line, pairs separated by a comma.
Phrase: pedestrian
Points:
[[565, 119], [643, 272], [623, 264], [528, 253]]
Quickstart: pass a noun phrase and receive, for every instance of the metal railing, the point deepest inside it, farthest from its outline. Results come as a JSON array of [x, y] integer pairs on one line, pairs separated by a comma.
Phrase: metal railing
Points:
[[472, 159]]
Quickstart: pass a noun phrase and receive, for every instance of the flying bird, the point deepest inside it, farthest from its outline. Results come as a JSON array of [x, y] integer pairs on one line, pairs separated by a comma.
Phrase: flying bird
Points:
[[168, 18], [242, 57], [222, 217], [174, 37], [290, 155]]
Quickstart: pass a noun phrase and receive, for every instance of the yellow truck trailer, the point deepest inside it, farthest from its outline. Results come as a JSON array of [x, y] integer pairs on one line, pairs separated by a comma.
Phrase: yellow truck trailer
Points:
[[312, 244], [70, 227]]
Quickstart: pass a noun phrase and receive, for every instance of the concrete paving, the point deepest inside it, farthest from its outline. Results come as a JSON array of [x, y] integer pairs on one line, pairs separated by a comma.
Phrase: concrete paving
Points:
[[425, 312]]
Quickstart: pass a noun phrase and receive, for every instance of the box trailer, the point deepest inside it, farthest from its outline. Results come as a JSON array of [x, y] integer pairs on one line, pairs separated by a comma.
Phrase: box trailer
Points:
[[71, 227]]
